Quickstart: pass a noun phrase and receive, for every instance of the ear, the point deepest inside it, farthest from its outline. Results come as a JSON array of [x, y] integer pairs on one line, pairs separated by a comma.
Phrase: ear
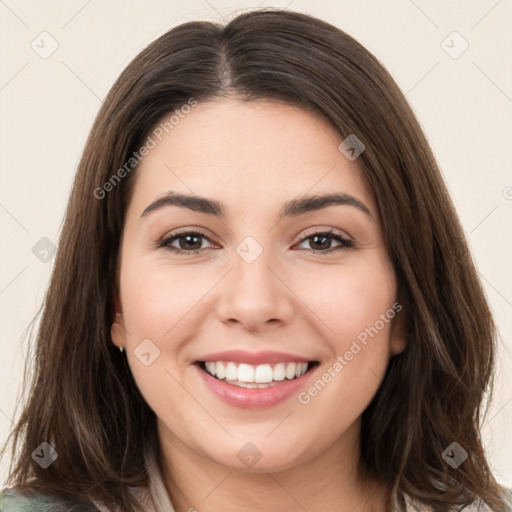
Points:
[[399, 336], [117, 330]]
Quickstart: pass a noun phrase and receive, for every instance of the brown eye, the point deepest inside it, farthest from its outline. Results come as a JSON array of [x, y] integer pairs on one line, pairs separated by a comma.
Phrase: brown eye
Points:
[[189, 242], [321, 242]]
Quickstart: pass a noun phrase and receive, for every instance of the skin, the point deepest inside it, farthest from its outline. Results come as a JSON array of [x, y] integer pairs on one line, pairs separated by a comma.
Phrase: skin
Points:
[[254, 157]]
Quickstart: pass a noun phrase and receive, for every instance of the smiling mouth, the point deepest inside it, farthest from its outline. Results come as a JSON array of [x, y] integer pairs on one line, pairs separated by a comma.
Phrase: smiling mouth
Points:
[[255, 376]]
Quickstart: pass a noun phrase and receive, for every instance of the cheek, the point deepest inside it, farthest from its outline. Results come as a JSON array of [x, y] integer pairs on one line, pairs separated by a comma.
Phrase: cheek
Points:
[[352, 301], [157, 298], [358, 309], [158, 306]]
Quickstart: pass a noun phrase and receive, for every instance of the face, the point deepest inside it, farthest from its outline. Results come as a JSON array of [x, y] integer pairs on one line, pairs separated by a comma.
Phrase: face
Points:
[[280, 284]]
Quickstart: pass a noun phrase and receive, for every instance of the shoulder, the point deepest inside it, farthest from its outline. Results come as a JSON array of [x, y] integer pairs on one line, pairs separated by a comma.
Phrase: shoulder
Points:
[[12, 500], [477, 506], [480, 506]]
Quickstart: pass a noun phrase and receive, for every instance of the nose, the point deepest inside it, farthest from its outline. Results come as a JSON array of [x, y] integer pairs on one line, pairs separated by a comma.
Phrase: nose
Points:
[[255, 295]]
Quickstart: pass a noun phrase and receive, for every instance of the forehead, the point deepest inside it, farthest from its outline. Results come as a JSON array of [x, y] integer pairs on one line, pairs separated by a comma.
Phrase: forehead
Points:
[[247, 154]]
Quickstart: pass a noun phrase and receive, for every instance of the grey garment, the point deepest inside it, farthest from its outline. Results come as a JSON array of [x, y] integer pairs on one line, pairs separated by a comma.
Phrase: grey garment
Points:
[[153, 498], [12, 500]]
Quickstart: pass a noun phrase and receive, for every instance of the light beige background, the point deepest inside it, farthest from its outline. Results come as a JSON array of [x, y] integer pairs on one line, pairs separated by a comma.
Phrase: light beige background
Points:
[[48, 104]]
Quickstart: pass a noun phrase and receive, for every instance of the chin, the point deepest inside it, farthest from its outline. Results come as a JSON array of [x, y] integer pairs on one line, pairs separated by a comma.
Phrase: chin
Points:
[[257, 458]]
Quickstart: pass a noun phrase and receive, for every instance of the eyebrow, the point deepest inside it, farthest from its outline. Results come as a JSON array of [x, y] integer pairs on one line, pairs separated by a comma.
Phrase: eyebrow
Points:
[[292, 208]]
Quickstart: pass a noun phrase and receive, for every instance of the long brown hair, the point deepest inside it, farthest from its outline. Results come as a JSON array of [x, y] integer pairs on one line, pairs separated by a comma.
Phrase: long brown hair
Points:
[[82, 398]]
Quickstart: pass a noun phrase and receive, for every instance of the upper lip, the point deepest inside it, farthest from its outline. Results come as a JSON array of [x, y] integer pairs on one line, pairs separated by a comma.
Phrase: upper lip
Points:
[[254, 358]]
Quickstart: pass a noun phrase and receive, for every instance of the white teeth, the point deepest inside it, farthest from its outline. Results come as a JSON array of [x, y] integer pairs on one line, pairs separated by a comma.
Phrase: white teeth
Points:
[[245, 372], [255, 376], [290, 370], [263, 373], [221, 370], [279, 371], [231, 371], [251, 384]]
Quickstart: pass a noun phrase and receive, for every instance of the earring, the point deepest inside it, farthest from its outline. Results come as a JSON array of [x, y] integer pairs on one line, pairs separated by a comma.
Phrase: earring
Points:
[[121, 349]]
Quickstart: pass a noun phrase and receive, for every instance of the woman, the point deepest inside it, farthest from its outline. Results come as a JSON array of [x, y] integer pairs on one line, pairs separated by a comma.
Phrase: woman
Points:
[[260, 227]]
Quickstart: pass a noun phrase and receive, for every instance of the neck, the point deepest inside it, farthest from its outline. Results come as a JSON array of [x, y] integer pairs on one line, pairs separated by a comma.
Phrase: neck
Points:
[[329, 481]]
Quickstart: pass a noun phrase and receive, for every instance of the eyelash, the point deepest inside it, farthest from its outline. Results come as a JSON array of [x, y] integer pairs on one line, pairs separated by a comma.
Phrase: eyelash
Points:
[[330, 233]]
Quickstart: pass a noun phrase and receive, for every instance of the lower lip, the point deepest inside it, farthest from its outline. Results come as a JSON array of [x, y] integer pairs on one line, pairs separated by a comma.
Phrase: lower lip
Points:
[[252, 398]]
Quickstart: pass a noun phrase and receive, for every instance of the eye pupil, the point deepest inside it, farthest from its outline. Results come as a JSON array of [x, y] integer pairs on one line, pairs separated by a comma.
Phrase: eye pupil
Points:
[[188, 238], [319, 243], [326, 241]]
